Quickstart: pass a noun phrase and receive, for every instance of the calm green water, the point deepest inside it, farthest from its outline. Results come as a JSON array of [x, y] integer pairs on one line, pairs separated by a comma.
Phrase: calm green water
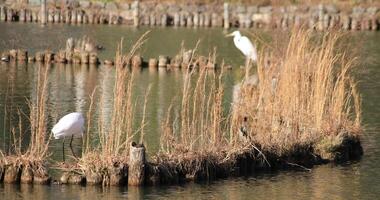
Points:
[[71, 85]]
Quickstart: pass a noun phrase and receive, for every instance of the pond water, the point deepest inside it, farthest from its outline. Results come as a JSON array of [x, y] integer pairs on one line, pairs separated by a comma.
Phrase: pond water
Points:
[[71, 85]]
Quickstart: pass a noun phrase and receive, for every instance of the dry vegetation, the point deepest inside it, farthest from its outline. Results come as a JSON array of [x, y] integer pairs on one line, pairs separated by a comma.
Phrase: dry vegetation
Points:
[[306, 101], [30, 161], [259, 2], [306, 93], [106, 161]]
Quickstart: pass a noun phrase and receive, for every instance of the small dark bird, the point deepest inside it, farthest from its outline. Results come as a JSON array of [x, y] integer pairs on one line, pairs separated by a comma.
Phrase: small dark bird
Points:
[[243, 131]]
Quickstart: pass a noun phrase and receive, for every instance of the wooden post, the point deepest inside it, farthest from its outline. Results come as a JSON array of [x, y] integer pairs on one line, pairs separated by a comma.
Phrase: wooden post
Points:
[[43, 12], [136, 170], [135, 7], [226, 16], [3, 13]]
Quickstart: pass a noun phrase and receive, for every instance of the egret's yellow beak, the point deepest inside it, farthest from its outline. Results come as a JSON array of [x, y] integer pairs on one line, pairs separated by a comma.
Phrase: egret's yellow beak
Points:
[[230, 35]]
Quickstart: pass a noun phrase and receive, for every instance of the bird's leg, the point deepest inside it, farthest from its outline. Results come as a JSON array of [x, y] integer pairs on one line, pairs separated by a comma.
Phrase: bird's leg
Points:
[[63, 149], [71, 146], [247, 68]]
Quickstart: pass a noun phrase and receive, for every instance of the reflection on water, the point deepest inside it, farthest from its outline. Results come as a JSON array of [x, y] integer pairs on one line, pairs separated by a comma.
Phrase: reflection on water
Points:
[[70, 86]]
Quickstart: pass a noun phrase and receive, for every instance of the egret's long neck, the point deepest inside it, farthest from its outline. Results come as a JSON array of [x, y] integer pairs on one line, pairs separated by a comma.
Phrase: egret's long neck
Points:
[[237, 37]]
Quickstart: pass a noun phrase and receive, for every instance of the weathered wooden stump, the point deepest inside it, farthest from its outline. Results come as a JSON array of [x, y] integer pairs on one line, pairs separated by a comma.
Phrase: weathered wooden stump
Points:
[[57, 17], [176, 61], [93, 178], [61, 57], [136, 170], [49, 57], [13, 54], [40, 57], [22, 55], [72, 178], [137, 61], [12, 174], [27, 175], [69, 56], [176, 19], [84, 58], [196, 19], [164, 20], [3, 13], [153, 63], [93, 58], [163, 61]]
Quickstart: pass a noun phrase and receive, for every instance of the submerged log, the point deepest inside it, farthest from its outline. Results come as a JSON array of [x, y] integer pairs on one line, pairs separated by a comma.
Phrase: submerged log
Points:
[[136, 170]]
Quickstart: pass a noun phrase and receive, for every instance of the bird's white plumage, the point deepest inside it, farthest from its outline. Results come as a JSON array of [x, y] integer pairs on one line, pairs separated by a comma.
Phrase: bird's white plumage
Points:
[[69, 125], [245, 46]]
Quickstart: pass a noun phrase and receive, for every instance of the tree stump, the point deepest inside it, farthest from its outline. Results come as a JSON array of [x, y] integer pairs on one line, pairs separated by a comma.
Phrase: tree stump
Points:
[[27, 175], [136, 170], [12, 174]]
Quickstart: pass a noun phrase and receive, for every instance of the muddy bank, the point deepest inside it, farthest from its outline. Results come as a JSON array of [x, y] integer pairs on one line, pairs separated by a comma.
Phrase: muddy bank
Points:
[[227, 15], [191, 166]]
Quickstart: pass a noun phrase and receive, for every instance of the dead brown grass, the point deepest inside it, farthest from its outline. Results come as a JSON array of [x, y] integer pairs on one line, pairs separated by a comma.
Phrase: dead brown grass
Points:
[[114, 132], [306, 92], [35, 154]]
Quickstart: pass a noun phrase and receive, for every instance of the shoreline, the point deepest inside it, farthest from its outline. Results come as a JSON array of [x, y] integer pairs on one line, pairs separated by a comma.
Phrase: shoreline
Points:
[[194, 167], [228, 15]]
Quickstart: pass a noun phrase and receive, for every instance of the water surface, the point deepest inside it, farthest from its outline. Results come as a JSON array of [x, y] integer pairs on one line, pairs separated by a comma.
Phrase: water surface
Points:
[[71, 85]]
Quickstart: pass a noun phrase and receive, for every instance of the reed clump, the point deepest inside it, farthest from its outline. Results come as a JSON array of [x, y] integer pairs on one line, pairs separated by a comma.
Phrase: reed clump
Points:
[[305, 109], [194, 138], [29, 164], [306, 99], [105, 154]]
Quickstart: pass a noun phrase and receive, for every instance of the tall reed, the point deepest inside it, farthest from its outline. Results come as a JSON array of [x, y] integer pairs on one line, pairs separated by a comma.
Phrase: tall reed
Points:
[[114, 132], [306, 92], [196, 124]]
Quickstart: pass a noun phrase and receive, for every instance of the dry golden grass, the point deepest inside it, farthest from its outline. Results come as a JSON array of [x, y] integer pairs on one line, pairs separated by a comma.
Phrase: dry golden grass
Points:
[[116, 134], [306, 92], [35, 154]]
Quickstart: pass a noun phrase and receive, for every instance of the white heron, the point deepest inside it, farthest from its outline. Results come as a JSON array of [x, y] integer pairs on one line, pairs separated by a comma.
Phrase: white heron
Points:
[[72, 125], [5, 59], [244, 45]]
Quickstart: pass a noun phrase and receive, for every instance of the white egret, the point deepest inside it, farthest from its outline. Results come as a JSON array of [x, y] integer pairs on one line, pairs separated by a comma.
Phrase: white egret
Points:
[[69, 125], [5, 59], [244, 45]]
